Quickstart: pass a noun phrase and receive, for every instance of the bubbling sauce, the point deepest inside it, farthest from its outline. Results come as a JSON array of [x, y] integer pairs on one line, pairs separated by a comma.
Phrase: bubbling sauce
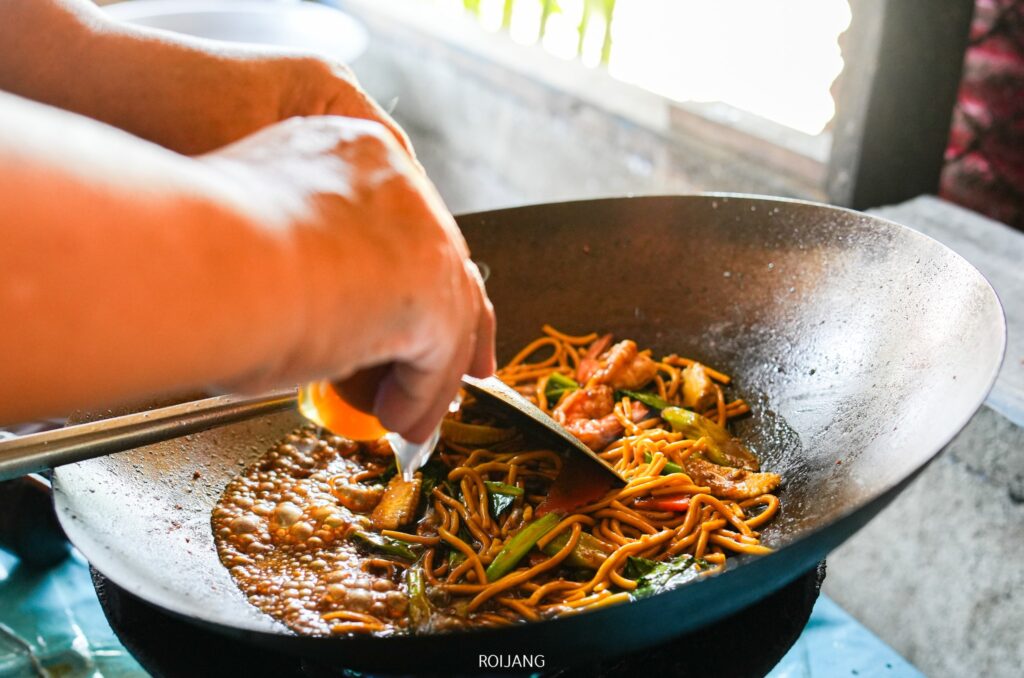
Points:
[[285, 536]]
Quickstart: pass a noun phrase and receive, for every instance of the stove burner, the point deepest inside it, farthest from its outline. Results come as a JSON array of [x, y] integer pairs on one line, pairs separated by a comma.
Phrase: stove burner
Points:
[[169, 647]]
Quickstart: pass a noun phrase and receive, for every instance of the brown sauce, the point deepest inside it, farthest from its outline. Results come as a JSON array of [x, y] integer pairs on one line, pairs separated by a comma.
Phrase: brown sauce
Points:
[[284, 537]]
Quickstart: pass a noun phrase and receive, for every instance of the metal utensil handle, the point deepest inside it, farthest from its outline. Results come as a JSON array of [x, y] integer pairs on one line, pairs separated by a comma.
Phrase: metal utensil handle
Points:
[[39, 451]]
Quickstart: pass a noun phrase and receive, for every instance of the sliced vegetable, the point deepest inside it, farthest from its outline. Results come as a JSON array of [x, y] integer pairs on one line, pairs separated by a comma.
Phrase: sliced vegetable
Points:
[[670, 467], [519, 545], [663, 576], [384, 545], [398, 505], [645, 397], [589, 553], [461, 433], [503, 488], [501, 496], [722, 448], [558, 385], [420, 609], [637, 567], [675, 502], [500, 503]]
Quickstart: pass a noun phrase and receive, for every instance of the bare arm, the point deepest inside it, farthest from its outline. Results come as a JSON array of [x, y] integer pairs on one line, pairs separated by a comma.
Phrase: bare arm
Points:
[[128, 270], [189, 95]]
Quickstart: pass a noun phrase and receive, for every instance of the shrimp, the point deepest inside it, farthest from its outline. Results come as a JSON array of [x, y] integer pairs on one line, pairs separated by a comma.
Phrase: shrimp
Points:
[[590, 363], [587, 414], [623, 367]]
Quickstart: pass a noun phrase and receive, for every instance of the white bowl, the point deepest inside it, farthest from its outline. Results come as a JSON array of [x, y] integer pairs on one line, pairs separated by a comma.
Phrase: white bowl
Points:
[[305, 26]]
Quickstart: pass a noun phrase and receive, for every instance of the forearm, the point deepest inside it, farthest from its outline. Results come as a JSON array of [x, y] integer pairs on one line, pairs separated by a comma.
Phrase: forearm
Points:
[[187, 95], [127, 270]]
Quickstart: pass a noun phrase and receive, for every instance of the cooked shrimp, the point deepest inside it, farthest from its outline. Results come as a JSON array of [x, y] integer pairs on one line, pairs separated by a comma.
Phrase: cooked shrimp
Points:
[[590, 363], [587, 414], [623, 367], [593, 402]]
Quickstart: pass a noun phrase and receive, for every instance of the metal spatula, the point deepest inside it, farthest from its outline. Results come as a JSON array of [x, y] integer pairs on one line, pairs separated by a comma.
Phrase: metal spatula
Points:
[[39, 451]]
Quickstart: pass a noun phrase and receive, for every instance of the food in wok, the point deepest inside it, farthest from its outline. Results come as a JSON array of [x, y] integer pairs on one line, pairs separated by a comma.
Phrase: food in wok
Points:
[[324, 535]]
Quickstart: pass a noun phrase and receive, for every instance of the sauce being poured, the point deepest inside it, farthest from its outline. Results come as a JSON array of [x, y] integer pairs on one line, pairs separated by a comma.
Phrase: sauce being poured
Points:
[[321, 403]]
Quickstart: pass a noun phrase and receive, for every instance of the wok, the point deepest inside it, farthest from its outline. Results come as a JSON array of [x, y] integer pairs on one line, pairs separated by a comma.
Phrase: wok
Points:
[[862, 346]]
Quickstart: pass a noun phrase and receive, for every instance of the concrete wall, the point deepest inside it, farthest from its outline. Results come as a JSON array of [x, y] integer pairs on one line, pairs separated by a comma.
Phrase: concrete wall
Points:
[[938, 575], [491, 137]]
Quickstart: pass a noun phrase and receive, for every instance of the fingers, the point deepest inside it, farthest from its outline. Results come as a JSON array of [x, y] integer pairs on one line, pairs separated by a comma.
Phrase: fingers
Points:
[[414, 397], [421, 429], [360, 389], [412, 400], [350, 100]]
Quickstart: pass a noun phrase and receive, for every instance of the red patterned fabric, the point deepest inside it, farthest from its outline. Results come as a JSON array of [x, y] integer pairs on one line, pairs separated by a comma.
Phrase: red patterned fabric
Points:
[[985, 158]]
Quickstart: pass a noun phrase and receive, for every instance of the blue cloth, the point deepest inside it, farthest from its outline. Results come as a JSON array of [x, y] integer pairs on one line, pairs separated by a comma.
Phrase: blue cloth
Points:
[[835, 644], [52, 619]]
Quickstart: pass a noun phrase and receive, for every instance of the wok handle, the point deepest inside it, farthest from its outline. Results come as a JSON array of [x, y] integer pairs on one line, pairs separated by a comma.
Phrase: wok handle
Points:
[[38, 451]]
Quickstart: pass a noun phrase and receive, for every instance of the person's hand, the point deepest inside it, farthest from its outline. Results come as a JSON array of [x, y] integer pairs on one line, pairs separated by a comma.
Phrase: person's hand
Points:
[[385, 272], [189, 95], [324, 87], [244, 90]]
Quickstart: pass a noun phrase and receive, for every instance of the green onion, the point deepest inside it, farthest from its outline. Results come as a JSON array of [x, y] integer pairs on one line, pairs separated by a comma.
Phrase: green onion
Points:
[[504, 488], [385, 545], [722, 448], [519, 545], [649, 399], [558, 385], [419, 605], [670, 467]]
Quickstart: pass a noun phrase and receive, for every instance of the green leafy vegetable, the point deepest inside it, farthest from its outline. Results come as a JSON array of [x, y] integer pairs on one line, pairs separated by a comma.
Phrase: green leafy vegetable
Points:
[[654, 577], [499, 503], [558, 385], [385, 545], [649, 399], [504, 488], [637, 567], [502, 496], [456, 556]]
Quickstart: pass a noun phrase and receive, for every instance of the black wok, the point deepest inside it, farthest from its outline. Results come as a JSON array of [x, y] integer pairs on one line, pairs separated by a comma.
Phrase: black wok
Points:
[[863, 347]]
